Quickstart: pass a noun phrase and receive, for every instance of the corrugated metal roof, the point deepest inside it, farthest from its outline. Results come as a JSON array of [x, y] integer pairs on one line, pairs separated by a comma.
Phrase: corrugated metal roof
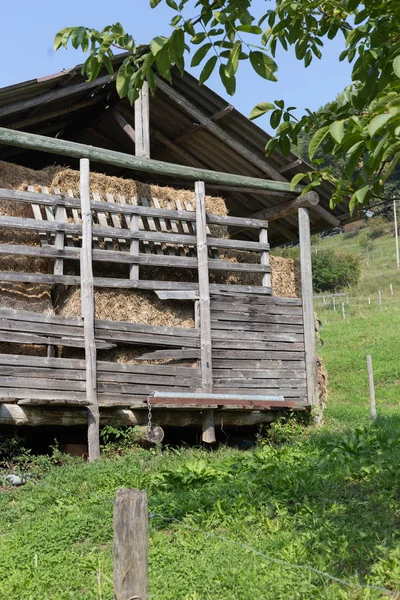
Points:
[[64, 105]]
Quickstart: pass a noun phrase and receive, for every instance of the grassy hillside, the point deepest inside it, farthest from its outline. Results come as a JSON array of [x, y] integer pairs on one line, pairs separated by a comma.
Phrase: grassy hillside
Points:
[[326, 499]]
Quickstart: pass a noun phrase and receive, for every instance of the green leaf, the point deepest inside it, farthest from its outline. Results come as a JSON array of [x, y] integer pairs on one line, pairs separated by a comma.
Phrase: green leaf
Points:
[[377, 123], [234, 56], [337, 131], [296, 179], [157, 44], [154, 3], [228, 80], [396, 66], [250, 29], [178, 43], [261, 109], [200, 54], [352, 158], [77, 37], [361, 193], [92, 67], [317, 140], [208, 69], [122, 81], [62, 37], [275, 118], [284, 145], [263, 65]]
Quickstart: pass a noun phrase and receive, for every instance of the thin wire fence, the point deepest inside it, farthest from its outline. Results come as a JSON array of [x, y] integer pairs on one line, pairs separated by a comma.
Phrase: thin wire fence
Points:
[[231, 541]]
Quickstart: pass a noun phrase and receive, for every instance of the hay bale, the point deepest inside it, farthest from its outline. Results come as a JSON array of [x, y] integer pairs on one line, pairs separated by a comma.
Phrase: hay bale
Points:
[[134, 306]]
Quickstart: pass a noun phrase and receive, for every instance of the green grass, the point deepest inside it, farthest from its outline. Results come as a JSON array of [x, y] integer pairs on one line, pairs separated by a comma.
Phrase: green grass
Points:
[[327, 498]]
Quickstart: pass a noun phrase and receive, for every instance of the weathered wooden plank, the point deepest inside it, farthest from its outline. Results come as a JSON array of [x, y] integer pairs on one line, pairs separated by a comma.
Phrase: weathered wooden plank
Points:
[[41, 328], [52, 402], [259, 345], [255, 317], [250, 336], [255, 354], [270, 308], [129, 209], [14, 392], [130, 390], [47, 384], [113, 232], [208, 427], [115, 283], [127, 326], [239, 382], [31, 338], [142, 122], [38, 362], [260, 327], [286, 393], [34, 317], [115, 218], [308, 306], [264, 258], [144, 339], [260, 364], [32, 141], [65, 376], [262, 300], [184, 295], [260, 373], [88, 313], [171, 354]]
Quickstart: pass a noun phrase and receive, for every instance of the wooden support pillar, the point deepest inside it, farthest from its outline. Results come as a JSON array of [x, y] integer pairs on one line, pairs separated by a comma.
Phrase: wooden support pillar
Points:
[[88, 313], [142, 122], [208, 426], [308, 306], [130, 545], [266, 280]]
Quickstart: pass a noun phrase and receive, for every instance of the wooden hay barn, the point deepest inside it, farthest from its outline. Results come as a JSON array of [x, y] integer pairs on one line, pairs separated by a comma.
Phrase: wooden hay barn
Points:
[[135, 275]]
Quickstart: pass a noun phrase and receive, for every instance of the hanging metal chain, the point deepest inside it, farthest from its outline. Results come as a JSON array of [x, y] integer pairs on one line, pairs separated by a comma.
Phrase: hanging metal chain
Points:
[[149, 422]]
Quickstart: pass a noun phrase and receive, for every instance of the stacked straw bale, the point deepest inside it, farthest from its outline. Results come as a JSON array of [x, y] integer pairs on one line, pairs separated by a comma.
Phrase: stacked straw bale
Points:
[[125, 305]]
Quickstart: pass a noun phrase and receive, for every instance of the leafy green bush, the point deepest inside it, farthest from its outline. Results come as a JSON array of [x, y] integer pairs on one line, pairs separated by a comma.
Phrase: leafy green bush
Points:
[[333, 271]]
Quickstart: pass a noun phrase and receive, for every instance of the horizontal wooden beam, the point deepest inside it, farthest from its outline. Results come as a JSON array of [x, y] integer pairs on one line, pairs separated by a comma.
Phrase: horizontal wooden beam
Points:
[[120, 233], [141, 284], [13, 414], [41, 143], [311, 199], [121, 257], [129, 209]]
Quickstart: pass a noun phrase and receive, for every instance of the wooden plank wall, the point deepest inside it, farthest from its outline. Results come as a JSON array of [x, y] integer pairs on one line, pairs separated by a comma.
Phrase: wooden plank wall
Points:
[[258, 346]]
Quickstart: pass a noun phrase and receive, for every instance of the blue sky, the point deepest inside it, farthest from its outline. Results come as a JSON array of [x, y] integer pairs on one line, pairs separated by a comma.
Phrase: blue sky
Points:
[[26, 47]]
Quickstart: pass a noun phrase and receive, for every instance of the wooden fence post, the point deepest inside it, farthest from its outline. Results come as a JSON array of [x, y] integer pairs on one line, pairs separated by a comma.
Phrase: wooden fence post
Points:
[[371, 388], [208, 425], [263, 239], [130, 545], [88, 313], [308, 306]]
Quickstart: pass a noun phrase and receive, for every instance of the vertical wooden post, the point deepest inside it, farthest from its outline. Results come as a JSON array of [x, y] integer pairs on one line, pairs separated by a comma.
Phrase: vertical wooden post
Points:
[[379, 297], [343, 313], [371, 388], [396, 234], [308, 306], [88, 313], [263, 238], [142, 122], [130, 545], [205, 312]]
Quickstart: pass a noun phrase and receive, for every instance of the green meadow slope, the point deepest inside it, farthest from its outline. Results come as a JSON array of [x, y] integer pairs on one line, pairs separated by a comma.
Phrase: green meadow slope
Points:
[[325, 499]]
